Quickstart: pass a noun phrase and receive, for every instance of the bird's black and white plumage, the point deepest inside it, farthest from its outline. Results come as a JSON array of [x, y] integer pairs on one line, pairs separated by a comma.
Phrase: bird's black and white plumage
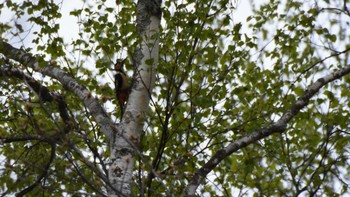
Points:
[[121, 85]]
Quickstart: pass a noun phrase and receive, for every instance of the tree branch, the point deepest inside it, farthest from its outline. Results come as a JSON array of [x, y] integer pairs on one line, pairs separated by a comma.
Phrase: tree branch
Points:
[[43, 174], [68, 82], [81, 174], [94, 168], [25, 138], [98, 172], [278, 126], [43, 93]]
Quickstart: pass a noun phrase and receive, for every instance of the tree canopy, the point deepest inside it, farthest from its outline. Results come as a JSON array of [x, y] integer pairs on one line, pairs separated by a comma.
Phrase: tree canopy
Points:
[[219, 105]]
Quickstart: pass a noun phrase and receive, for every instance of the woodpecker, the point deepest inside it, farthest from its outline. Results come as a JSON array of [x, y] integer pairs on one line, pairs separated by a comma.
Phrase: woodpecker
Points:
[[121, 85]]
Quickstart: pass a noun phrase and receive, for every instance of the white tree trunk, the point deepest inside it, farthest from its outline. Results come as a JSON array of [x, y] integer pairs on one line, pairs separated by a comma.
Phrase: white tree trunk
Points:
[[127, 136]]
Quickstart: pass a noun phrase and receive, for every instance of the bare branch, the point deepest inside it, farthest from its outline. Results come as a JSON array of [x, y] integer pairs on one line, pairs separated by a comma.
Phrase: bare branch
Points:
[[278, 126]]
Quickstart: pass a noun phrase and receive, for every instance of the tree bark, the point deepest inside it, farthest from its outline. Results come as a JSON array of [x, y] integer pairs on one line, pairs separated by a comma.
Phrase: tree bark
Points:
[[124, 146]]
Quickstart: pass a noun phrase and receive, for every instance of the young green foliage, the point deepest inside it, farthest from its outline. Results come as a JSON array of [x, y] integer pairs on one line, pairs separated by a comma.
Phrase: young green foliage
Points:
[[218, 80]]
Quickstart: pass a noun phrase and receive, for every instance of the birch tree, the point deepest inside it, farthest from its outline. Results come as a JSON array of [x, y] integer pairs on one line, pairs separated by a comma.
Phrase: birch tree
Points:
[[218, 105]]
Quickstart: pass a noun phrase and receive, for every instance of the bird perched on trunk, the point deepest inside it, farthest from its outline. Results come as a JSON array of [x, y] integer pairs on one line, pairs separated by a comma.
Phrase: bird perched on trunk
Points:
[[122, 86]]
